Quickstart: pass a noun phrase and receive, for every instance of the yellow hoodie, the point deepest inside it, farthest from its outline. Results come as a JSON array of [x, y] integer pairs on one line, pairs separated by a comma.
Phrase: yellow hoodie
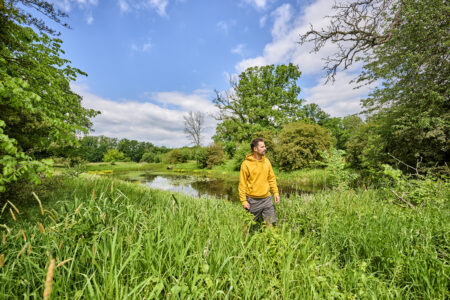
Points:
[[256, 179]]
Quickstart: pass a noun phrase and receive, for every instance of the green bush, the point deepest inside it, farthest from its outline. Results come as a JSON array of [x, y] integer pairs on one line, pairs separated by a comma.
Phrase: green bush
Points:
[[215, 155], [340, 176], [148, 157], [210, 156], [241, 152], [201, 157], [175, 156], [298, 145], [113, 155]]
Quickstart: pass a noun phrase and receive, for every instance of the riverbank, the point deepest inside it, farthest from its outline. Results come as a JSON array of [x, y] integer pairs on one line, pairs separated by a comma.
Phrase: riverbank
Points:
[[308, 179], [112, 239]]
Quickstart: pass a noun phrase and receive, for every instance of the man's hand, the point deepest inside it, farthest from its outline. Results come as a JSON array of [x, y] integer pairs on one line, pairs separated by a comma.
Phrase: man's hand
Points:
[[247, 206], [277, 198]]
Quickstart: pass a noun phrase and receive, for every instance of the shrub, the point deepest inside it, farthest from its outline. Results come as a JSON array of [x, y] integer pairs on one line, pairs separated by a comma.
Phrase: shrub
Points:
[[210, 156], [175, 156], [241, 152], [201, 157], [298, 145], [113, 155], [215, 155], [341, 177], [148, 157]]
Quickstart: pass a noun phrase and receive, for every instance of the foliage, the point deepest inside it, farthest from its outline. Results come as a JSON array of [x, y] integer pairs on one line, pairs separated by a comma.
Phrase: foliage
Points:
[[37, 107], [345, 245], [210, 156], [298, 145], [74, 166], [113, 155], [340, 176], [134, 149], [264, 98], [404, 48], [410, 192], [241, 152], [151, 157], [215, 155], [175, 156]]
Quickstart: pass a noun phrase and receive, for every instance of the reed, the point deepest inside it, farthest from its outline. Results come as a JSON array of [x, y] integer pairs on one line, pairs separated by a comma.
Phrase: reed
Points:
[[131, 242]]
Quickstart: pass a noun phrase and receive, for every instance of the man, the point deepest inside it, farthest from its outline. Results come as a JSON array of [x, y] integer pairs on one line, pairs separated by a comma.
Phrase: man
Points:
[[256, 180]]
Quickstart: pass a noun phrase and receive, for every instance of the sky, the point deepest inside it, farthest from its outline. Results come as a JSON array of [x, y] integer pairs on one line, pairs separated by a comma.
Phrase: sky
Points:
[[150, 62]]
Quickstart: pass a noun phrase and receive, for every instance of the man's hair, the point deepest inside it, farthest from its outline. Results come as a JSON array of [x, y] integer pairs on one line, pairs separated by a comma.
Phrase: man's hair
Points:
[[255, 142]]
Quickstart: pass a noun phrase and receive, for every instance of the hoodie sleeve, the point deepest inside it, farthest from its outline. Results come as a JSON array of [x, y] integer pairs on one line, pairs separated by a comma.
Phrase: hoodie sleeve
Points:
[[243, 184], [272, 180]]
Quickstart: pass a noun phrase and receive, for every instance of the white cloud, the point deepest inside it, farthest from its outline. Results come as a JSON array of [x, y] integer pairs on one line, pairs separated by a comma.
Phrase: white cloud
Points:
[[337, 99], [145, 47], [158, 5], [259, 4], [239, 49], [262, 21], [85, 5], [159, 122], [225, 26]]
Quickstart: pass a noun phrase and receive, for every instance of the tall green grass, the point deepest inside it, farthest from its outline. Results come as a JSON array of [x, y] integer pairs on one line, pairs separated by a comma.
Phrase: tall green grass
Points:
[[128, 242]]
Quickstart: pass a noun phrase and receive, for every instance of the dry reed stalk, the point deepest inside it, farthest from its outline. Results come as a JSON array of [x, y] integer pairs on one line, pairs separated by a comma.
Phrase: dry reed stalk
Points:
[[93, 195], [23, 250], [4, 207], [39, 201], [24, 236], [78, 208], [49, 280], [60, 246], [12, 214], [15, 208], [29, 249], [3, 239], [2, 260], [41, 227], [63, 262]]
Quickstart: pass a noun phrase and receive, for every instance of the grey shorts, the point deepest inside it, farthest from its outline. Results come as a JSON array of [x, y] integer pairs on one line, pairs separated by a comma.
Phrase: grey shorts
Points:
[[262, 209]]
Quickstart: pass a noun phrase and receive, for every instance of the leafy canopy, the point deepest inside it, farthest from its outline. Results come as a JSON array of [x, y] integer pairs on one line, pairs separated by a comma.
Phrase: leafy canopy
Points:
[[38, 110], [404, 47], [262, 98]]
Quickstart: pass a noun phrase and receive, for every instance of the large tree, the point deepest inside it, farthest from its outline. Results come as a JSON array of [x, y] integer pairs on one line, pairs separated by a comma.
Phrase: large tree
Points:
[[404, 47], [262, 98], [37, 107]]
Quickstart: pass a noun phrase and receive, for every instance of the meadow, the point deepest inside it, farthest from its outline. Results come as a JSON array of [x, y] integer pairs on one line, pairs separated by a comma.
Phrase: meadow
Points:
[[100, 238]]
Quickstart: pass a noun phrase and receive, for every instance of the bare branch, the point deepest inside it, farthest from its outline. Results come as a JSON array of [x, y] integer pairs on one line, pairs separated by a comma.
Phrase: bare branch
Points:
[[193, 126], [356, 28]]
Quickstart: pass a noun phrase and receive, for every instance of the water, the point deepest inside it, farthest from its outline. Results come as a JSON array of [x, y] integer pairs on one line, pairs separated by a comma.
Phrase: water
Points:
[[202, 186]]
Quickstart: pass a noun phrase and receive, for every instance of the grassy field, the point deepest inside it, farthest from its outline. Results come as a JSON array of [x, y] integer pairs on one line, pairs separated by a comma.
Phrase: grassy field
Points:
[[101, 238]]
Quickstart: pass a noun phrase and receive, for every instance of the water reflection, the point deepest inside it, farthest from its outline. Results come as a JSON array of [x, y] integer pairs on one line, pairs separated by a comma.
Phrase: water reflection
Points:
[[205, 187]]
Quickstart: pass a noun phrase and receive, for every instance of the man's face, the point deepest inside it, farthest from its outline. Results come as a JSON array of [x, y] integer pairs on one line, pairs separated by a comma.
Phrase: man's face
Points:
[[260, 149]]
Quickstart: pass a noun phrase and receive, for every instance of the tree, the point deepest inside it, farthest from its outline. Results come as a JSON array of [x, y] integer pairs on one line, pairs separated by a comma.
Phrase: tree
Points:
[[298, 145], [263, 98], [404, 47], [193, 126], [37, 107]]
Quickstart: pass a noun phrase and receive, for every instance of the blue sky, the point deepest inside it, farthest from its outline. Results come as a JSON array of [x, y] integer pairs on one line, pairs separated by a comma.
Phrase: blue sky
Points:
[[151, 61]]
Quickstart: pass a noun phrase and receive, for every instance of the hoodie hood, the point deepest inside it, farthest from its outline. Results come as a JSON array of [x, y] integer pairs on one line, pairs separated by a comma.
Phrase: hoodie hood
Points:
[[250, 157]]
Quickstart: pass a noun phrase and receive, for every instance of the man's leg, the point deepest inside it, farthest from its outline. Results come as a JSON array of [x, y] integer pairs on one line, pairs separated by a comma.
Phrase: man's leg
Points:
[[269, 215]]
